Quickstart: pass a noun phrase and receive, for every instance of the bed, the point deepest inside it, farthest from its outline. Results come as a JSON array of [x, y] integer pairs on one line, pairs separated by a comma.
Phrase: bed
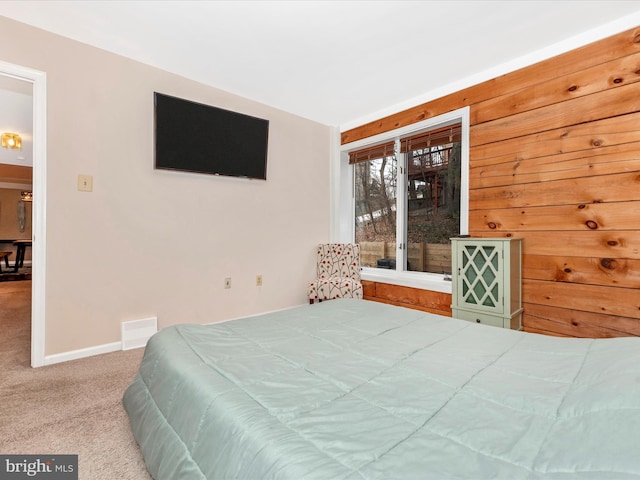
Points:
[[353, 389]]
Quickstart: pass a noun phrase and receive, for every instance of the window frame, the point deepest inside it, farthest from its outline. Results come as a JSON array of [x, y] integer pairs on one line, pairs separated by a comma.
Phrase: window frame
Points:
[[344, 217]]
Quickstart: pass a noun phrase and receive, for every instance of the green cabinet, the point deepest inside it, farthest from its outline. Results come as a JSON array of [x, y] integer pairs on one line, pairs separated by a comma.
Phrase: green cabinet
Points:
[[487, 281]]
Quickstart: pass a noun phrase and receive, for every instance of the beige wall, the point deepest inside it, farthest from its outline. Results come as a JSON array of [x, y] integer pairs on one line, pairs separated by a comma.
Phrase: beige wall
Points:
[[148, 242]]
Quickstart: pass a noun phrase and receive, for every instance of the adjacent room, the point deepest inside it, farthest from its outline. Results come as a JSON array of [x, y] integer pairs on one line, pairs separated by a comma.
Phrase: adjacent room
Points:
[[320, 239]]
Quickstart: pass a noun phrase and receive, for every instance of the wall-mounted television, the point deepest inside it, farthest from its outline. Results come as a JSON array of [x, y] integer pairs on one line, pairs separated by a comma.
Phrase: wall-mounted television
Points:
[[193, 137]]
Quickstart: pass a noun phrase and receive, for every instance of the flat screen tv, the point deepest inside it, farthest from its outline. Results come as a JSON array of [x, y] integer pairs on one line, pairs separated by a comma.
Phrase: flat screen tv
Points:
[[193, 137]]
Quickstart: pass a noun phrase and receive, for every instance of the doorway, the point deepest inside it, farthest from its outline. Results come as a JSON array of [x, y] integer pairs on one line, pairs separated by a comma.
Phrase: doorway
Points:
[[16, 187], [37, 79]]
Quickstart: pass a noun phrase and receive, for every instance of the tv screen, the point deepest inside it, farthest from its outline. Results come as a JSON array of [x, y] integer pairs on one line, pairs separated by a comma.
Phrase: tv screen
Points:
[[194, 137]]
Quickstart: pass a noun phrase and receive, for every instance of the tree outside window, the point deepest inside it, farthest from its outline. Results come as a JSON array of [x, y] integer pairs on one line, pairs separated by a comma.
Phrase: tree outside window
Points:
[[411, 232]]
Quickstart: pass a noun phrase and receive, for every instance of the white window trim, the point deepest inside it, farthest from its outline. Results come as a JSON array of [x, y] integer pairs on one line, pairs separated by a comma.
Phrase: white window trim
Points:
[[342, 224]]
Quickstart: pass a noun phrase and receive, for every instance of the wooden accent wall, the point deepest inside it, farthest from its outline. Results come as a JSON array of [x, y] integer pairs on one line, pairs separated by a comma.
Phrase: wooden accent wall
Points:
[[555, 160], [434, 302]]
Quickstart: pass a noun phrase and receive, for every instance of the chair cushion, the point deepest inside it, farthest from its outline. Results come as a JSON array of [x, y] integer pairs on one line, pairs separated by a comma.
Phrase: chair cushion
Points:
[[334, 287]]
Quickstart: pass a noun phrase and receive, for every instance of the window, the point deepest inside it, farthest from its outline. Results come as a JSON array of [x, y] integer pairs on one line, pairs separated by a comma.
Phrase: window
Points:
[[409, 197], [375, 173]]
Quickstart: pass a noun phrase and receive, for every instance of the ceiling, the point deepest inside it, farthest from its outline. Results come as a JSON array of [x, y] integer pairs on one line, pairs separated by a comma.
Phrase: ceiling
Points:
[[339, 63]]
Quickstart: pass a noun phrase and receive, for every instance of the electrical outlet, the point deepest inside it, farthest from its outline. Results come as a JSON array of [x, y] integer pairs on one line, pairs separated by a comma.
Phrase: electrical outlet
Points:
[[85, 183], [258, 280], [227, 282]]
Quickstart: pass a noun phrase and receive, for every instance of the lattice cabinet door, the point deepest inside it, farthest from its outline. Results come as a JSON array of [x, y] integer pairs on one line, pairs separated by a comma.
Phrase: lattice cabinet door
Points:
[[487, 281]]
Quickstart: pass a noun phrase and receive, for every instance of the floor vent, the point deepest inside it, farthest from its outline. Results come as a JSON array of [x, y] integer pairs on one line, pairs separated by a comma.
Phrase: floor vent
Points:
[[136, 333]]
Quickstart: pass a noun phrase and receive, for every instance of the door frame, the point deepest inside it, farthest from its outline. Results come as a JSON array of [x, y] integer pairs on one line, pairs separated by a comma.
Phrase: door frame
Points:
[[38, 233]]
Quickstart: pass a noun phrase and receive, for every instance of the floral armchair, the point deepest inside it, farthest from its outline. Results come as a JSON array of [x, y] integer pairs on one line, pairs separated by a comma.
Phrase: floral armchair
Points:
[[338, 272]]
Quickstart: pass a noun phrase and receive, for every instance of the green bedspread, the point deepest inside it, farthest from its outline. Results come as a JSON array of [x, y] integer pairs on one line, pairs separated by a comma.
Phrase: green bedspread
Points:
[[351, 389]]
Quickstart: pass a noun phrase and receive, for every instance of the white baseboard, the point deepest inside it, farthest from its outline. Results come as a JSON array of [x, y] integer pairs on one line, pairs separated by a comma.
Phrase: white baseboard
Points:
[[116, 346], [82, 353]]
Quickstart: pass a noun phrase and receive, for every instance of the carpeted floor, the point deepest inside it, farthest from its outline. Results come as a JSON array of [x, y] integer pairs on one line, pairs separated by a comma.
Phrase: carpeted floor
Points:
[[68, 408]]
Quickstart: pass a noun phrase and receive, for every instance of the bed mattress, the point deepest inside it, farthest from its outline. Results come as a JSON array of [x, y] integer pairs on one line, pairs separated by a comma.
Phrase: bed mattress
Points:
[[352, 389]]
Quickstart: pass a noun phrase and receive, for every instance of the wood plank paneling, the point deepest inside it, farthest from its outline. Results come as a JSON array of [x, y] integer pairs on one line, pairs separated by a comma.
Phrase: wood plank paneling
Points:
[[590, 136], [622, 302], [593, 216], [588, 244], [617, 101], [368, 289], [425, 300], [584, 163], [612, 272], [575, 323], [622, 187], [555, 160], [617, 72]]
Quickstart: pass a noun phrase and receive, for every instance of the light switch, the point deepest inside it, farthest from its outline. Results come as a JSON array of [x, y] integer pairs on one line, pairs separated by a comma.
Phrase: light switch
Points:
[[85, 183]]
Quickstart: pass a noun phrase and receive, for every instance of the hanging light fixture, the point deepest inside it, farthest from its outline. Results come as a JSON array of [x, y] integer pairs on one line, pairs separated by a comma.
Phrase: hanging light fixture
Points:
[[12, 141]]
